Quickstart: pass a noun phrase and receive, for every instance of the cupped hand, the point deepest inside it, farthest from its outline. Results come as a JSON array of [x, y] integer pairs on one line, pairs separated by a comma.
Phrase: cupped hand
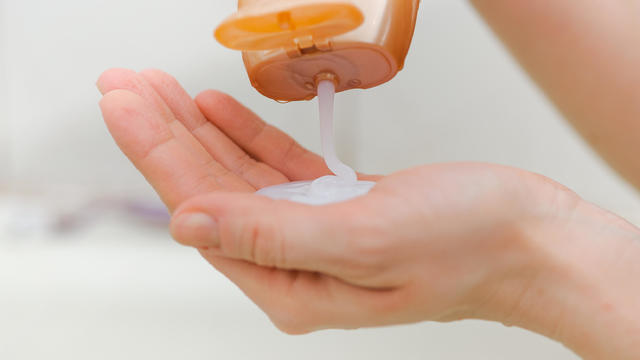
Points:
[[427, 243], [439, 242]]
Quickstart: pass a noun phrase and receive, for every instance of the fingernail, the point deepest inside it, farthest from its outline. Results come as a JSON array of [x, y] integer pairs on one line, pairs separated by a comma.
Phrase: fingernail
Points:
[[196, 229]]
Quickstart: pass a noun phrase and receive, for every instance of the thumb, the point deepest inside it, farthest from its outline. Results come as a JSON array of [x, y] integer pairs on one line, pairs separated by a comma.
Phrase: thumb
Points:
[[270, 233]]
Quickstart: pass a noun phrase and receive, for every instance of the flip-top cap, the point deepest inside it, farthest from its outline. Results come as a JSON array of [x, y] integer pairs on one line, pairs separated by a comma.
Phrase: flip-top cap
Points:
[[280, 24]]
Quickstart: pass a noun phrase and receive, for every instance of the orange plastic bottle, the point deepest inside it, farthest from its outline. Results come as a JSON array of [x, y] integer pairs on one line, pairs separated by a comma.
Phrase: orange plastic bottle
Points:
[[289, 45]]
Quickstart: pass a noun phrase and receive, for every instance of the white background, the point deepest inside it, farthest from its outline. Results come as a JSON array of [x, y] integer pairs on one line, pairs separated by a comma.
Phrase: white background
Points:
[[119, 290]]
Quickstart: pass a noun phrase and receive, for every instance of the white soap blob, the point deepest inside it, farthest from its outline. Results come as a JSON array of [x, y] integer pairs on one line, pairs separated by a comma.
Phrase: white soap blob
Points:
[[327, 189]]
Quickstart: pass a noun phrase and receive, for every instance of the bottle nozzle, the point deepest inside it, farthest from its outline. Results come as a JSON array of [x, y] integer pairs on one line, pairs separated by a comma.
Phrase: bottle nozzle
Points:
[[326, 75]]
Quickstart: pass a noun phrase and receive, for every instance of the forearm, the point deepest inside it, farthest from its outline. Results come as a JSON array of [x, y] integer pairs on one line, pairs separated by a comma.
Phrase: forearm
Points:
[[580, 285], [585, 56]]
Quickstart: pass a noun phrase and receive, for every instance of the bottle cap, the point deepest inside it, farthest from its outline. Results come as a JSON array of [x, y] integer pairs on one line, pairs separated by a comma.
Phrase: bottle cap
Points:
[[284, 24]]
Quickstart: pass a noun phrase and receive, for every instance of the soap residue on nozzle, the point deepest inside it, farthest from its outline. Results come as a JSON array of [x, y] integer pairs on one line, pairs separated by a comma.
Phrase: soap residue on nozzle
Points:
[[327, 189]]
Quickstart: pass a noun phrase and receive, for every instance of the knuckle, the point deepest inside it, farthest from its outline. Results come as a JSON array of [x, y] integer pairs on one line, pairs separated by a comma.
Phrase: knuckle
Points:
[[259, 243]]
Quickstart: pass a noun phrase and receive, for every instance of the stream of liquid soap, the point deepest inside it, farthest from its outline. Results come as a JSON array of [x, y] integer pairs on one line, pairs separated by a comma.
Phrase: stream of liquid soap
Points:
[[326, 94], [326, 189]]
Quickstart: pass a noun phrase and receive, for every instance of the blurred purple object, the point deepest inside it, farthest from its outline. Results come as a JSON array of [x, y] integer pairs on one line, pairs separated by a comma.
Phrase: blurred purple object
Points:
[[142, 212]]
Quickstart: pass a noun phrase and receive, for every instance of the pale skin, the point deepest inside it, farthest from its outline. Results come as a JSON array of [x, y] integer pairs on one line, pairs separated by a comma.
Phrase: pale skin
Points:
[[438, 242]]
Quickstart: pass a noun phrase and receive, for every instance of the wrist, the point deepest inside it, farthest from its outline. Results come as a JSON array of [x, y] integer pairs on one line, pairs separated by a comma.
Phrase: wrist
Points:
[[576, 279]]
